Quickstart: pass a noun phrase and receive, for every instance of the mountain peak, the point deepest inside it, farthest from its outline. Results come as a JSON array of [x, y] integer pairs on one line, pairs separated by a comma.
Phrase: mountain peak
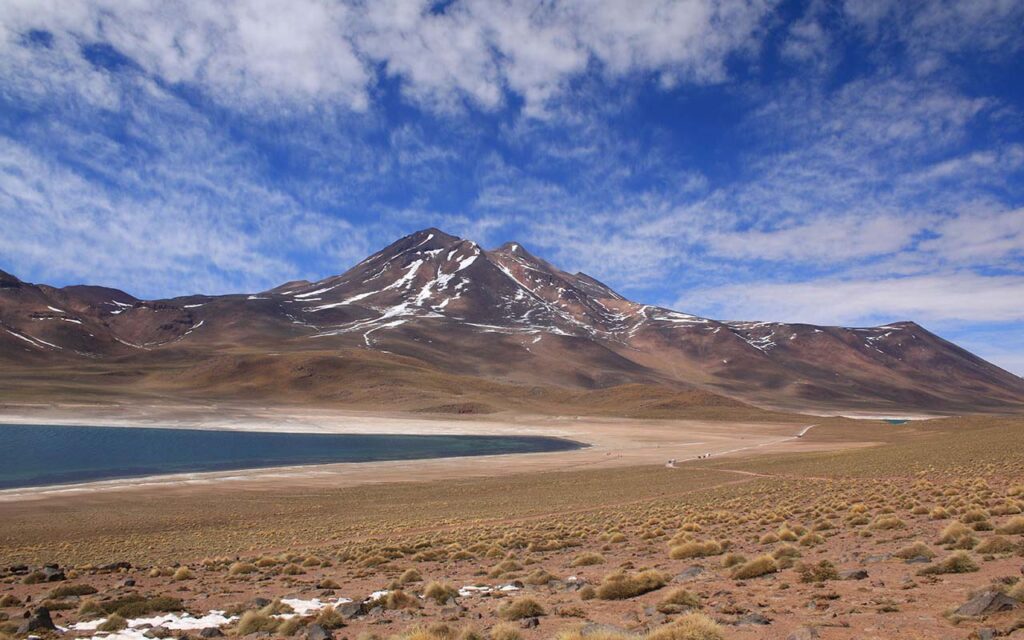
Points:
[[7, 280]]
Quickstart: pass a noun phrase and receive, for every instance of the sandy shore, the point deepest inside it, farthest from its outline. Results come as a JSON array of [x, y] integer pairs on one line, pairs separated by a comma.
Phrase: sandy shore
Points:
[[611, 442]]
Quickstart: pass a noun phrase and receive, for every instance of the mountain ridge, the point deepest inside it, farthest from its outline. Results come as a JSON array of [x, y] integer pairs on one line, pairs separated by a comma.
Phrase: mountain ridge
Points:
[[502, 315]]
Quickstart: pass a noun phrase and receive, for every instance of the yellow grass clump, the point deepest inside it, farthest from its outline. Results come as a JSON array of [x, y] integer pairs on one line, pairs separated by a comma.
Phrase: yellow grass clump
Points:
[[621, 585], [759, 566]]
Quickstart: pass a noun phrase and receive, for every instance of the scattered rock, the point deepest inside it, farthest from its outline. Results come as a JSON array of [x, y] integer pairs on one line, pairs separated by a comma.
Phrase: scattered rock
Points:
[[984, 634], [919, 560], [877, 558], [116, 566], [804, 633], [986, 603], [529, 623], [752, 618], [52, 573], [158, 632], [39, 620], [689, 573], [318, 632], [853, 574], [211, 632], [128, 583], [349, 609], [596, 628]]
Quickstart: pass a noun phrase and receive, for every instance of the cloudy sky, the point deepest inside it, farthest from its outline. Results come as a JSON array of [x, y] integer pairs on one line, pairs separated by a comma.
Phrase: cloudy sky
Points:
[[847, 162]]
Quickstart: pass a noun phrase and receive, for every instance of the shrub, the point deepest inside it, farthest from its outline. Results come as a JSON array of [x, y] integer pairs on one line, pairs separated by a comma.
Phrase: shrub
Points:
[[996, 544], [136, 606], [8, 600], [183, 573], [620, 585], [588, 593], [886, 523], [915, 550], [525, 607], [504, 567], [410, 576], [938, 513], [90, 609], [329, 618], [695, 550], [1013, 526], [1017, 591], [786, 551], [256, 622], [587, 559], [820, 572], [759, 566], [957, 562], [677, 601], [811, 539], [732, 559], [440, 592], [241, 568], [113, 623], [539, 577], [505, 631], [396, 599], [66, 590], [692, 626], [953, 532]]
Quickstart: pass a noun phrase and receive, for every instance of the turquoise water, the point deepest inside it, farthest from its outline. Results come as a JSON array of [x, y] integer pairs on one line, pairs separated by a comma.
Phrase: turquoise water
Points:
[[37, 455]]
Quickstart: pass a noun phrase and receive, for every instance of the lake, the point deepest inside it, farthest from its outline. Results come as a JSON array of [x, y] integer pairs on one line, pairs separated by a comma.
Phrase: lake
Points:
[[38, 455]]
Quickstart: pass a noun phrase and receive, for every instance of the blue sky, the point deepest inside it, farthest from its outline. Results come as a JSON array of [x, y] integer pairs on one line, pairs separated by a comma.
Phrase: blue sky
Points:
[[847, 162]]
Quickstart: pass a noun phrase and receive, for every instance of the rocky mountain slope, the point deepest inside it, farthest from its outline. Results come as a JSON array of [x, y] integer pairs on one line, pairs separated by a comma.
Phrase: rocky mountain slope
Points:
[[433, 318]]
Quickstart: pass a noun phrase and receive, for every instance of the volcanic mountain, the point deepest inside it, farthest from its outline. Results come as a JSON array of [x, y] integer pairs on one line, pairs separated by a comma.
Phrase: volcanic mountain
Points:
[[435, 322]]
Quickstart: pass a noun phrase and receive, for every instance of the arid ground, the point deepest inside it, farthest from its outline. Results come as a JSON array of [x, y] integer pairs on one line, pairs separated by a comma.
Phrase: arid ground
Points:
[[858, 529]]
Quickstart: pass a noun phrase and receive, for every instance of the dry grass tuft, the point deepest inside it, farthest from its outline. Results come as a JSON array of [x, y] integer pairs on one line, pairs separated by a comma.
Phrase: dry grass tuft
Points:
[[916, 550], [759, 566], [113, 623], [695, 550], [692, 626], [621, 585], [677, 601], [1013, 526], [957, 562], [587, 559], [440, 592], [505, 631], [525, 607]]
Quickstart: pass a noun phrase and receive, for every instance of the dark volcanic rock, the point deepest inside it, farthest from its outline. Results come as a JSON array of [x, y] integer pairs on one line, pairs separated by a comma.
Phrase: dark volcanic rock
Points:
[[318, 632], [853, 574], [987, 603], [40, 620]]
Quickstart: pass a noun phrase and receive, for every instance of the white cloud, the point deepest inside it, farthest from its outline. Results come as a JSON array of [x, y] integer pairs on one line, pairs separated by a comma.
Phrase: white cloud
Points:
[[946, 296], [256, 54]]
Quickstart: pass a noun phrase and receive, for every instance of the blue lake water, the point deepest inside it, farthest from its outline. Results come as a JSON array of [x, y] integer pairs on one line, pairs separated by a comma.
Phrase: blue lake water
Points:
[[37, 455]]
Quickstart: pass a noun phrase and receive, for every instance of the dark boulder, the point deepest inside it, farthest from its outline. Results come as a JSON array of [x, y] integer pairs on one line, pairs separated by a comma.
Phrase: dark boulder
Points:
[[39, 620], [986, 603]]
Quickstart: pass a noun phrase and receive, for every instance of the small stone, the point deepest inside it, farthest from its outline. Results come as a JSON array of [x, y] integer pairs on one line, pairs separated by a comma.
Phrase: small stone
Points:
[[853, 574], [52, 573], [128, 583], [318, 632], [158, 632], [689, 573], [529, 623], [804, 633], [919, 560], [753, 618], [211, 632]]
